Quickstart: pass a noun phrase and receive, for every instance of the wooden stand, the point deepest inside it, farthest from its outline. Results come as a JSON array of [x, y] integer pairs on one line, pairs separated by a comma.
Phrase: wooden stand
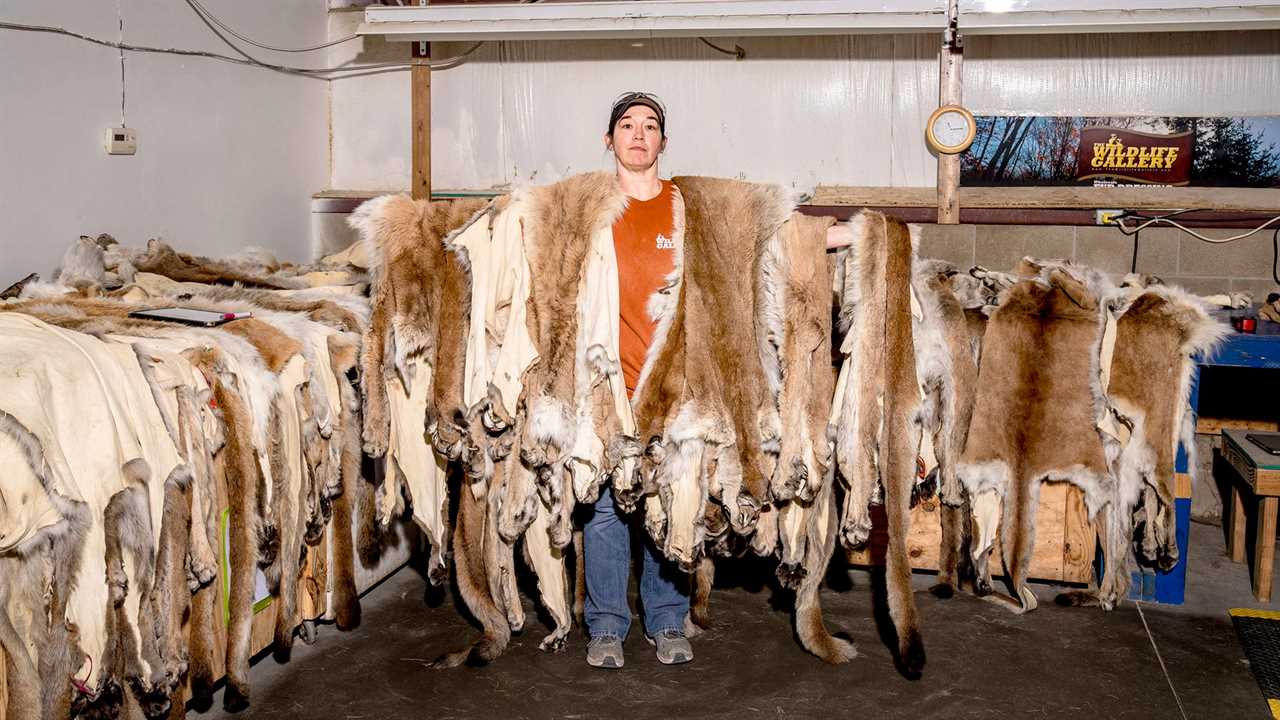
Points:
[[1259, 472], [1065, 539]]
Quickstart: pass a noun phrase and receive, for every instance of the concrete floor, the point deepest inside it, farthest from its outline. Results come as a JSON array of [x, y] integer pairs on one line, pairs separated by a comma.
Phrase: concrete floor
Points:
[[982, 661]]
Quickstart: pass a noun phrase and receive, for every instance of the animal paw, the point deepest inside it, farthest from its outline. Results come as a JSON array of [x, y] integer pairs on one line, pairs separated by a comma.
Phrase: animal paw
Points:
[[924, 489], [627, 498], [202, 572], [657, 529], [268, 543], [791, 574], [554, 642], [376, 441], [855, 531], [511, 528], [533, 455], [748, 513]]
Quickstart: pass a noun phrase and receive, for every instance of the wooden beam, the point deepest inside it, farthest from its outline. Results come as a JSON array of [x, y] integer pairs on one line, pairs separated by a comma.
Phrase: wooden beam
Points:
[[420, 80], [1130, 198], [949, 93]]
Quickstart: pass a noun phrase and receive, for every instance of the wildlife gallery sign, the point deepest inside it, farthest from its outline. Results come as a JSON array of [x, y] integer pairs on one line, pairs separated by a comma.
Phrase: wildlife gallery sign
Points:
[[1109, 151], [1134, 157]]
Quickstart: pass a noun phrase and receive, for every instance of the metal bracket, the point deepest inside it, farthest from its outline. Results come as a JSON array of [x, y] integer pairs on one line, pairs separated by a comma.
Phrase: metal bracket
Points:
[[423, 46], [951, 37]]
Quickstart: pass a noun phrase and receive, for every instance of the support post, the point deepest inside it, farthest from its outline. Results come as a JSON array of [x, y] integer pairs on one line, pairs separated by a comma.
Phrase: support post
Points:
[[950, 93], [420, 79]]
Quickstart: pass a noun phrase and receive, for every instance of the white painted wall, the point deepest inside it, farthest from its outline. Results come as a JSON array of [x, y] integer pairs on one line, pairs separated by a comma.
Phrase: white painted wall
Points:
[[797, 111], [228, 156]]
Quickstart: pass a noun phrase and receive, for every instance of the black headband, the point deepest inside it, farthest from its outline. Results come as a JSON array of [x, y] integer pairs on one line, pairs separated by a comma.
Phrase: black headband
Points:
[[631, 99]]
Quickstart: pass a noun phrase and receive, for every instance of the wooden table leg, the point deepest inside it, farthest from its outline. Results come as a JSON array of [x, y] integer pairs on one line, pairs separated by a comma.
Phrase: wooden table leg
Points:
[[1237, 525], [1264, 548]]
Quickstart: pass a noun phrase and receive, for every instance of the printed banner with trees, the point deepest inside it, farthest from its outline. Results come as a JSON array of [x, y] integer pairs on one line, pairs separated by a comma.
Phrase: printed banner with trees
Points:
[[1203, 151]]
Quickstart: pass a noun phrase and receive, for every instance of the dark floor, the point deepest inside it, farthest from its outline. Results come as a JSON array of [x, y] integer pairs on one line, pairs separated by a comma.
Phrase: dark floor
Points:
[[982, 662]]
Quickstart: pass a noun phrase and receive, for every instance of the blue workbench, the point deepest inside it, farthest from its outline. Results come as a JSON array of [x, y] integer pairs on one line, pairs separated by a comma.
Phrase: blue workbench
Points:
[[1260, 351]]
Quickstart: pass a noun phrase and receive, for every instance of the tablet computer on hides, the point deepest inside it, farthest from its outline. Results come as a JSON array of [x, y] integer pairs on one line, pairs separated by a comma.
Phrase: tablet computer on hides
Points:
[[189, 316]]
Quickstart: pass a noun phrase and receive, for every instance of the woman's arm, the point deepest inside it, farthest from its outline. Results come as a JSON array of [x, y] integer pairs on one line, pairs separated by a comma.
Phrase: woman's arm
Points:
[[839, 236]]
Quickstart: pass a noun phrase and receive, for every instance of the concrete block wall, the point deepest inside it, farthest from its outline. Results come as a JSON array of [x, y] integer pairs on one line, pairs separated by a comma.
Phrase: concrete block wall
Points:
[[1168, 253]]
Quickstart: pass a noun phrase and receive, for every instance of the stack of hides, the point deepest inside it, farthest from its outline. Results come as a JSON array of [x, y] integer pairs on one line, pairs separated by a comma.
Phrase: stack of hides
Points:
[[123, 442]]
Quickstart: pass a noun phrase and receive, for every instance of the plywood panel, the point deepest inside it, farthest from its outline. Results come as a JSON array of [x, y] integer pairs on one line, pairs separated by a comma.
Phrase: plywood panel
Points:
[[1063, 548]]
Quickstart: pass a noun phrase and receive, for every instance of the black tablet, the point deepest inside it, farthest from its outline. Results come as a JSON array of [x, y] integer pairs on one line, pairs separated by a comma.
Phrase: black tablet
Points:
[[189, 316], [1267, 441]]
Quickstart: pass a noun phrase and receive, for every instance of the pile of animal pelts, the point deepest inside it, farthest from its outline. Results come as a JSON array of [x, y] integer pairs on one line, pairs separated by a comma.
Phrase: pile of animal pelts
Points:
[[788, 389], [154, 472]]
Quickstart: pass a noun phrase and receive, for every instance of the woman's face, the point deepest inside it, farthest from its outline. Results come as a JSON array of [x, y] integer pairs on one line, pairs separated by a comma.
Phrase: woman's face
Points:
[[636, 140]]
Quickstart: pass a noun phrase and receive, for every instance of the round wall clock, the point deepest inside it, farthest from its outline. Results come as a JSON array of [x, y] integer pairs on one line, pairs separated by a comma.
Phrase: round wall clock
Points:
[[950, 129]]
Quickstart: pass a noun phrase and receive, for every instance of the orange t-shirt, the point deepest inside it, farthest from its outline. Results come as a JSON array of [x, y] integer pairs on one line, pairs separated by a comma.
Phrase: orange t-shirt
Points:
[[646, 255]]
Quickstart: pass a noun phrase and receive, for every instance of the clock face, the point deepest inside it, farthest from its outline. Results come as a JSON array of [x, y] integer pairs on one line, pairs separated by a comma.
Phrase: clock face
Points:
[[951, 128]]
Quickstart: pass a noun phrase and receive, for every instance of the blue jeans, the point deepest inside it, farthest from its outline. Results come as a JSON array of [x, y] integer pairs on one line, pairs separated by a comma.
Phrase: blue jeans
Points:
[[664, 593]]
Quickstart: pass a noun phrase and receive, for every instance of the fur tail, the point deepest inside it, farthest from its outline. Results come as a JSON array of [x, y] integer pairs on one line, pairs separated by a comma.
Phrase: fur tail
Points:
[[955, 568], [346, 601], [242, 481], [469, 538], [699, 605], [898, 444], [810, 627]]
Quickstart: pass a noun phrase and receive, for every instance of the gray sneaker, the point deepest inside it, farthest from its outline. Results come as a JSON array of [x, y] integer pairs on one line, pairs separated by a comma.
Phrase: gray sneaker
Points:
[[605, 651], [673, 647]]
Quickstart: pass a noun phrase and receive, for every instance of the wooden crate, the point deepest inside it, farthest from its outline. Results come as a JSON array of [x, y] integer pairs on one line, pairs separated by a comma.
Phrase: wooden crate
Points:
[[1065, 539]]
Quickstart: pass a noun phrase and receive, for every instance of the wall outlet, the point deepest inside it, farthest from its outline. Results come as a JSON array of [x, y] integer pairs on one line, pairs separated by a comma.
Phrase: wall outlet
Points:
[[1108, 217], [121, 141]]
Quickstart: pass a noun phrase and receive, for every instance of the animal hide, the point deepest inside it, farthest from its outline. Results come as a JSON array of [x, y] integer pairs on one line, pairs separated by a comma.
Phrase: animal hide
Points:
[[1147, 359], [161, 259], [564, 403], [117, 416], [346, 602], [948, 367], [704, 439], [1148, 389], [414, 349], [880, 407], [1036, 415]]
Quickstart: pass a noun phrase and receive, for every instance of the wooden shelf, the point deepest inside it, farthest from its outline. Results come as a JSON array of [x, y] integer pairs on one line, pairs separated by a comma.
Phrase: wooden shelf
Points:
[[1133, 198]]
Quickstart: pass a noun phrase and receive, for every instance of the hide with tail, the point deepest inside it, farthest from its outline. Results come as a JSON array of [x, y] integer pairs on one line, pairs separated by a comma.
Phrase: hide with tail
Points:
[[880, 405], [414, 352], [1036, 414]]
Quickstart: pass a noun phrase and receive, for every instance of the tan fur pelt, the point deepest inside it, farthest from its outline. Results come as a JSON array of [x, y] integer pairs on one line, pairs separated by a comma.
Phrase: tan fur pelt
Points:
[[420, 304], [346, 602], [558, 229], [1149, 382], [804, 355], [161, 259], [707, 405], [879, 425], [559, 224], [1035, 416], [320, 310], [952, 304], [239, 465], [476, 546]]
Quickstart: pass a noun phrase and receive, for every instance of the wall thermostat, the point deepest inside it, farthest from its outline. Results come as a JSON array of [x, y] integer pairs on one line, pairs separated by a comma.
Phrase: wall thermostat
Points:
[[121, 141]]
